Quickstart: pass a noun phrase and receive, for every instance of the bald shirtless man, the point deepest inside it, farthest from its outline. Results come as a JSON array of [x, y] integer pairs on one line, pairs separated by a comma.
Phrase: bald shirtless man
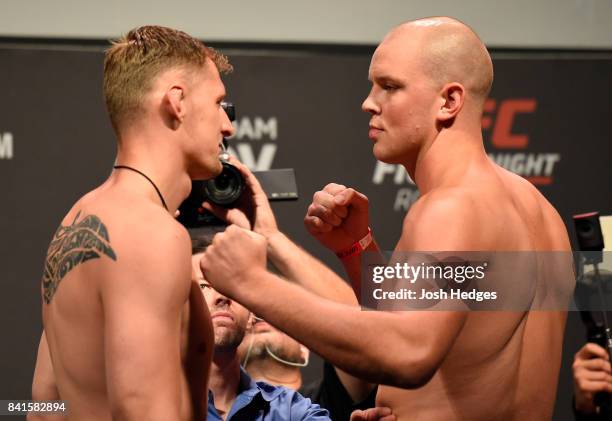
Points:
[[430, 79], [118, 271]]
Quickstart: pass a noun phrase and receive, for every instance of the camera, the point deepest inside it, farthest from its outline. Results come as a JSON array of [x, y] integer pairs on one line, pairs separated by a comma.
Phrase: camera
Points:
[[227, 188]]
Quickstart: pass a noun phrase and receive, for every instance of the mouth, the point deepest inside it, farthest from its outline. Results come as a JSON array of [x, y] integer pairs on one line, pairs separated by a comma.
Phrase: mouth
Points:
[[374, 132], [222, 315]]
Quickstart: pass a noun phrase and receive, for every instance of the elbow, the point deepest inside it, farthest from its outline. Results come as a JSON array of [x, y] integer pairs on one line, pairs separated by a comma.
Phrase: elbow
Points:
[[133, 409], [410, 371], [122, 412]]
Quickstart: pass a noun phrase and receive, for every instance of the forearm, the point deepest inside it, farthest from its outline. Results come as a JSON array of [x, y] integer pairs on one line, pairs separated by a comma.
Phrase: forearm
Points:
[[197, 370], [345, 336], [354, 264], [160, 409], [300, 267]]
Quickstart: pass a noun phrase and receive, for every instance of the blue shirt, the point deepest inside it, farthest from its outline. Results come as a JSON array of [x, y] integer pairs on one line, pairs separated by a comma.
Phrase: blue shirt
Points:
[[259, 401]]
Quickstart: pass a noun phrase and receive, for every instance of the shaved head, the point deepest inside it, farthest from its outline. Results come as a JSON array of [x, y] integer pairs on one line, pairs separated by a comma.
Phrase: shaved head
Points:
[[449, 51], [428, 75]]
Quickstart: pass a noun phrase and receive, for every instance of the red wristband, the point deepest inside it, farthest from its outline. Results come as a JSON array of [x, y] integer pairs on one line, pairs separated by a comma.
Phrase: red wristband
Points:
[[357, 247]]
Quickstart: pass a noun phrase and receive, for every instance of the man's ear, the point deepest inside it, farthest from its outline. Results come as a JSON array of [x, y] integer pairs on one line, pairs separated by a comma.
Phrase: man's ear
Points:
[[452, 97], [174, 106]]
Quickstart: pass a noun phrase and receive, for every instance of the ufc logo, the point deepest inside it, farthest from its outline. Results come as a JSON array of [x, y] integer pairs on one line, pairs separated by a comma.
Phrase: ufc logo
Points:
[[502, 136]]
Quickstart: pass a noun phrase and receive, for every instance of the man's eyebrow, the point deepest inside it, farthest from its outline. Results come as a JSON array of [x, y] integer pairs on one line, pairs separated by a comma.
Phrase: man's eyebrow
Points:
[[381, 79]]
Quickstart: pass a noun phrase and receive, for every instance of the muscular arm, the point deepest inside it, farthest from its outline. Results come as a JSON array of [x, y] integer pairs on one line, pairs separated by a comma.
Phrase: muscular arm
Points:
[[338, 217], [400, 349], [200, 342], [44, 387], [380, 347], [295, 264], [142, 301], [302, 268]]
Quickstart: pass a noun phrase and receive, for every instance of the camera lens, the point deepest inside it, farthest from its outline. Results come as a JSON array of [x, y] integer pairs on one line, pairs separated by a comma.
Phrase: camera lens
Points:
[[226, 188], [223, 181]]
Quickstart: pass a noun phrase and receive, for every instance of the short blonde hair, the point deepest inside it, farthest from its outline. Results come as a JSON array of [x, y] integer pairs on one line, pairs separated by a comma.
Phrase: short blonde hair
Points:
[[134, 61]]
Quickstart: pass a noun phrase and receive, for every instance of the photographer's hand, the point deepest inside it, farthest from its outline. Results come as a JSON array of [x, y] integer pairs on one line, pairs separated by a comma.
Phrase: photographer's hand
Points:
[[591, 371], [253, 209]]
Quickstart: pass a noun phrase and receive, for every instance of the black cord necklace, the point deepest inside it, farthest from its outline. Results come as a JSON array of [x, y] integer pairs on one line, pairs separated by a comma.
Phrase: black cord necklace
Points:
[[125, 167]]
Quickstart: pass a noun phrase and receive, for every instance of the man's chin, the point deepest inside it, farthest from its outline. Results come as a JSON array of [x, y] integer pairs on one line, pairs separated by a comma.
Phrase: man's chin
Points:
[[208, 171], [382, 155], [218, 169]]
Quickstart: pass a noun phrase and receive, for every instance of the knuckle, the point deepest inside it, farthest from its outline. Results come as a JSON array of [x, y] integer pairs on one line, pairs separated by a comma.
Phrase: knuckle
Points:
[[308, 224], [325, 211]]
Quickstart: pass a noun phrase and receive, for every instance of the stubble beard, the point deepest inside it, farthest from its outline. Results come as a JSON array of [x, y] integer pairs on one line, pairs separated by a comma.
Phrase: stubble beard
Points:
[[228, 338]]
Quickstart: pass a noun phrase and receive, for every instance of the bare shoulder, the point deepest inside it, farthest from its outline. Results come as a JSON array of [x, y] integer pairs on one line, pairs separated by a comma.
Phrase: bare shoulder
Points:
[[151, 237], [151, 251], [440, 220], [540, 213]]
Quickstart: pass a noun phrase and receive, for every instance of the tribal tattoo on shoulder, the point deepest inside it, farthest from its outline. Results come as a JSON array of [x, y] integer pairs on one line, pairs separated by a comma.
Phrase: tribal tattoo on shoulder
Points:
[[72, 245]]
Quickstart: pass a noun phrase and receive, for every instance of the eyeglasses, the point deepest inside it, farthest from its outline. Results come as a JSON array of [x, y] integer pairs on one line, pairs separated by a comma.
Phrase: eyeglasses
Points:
[[229, 109]]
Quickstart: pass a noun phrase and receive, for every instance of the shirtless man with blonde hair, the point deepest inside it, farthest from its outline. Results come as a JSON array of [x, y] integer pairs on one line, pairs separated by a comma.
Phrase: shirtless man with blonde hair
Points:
[[430, 79], [117, 275]]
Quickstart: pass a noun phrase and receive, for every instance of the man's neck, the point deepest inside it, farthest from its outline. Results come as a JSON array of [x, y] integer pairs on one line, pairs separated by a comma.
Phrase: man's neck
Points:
[[275, 373], [447, 159], [224, 380], [164, 167]]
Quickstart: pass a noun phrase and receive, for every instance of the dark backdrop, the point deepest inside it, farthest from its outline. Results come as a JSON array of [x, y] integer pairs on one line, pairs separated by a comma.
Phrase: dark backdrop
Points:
[[297, 107]]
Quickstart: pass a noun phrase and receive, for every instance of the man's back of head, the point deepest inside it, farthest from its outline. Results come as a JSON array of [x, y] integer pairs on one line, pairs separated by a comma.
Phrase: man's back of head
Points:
[[134, 61]]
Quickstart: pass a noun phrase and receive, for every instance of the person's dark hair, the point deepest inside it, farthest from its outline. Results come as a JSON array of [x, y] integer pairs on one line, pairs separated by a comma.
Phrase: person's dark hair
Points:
[[202, 237], [199, 245]]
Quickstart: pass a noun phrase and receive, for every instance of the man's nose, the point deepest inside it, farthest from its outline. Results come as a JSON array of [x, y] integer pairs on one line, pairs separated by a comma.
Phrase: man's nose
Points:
[[220, 300], [369, 105], [227, 128]]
